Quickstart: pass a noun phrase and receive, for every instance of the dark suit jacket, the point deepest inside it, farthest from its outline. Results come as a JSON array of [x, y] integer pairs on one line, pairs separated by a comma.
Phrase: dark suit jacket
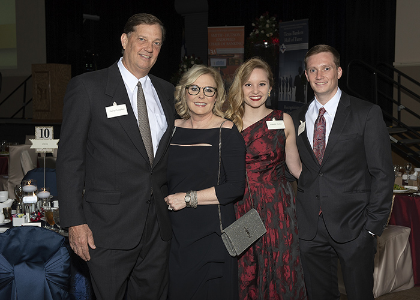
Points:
[[354, 183], [106, 158]]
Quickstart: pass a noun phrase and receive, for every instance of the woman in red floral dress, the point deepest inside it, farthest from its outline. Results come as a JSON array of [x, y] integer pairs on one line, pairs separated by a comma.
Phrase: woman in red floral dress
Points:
[[271, 268]]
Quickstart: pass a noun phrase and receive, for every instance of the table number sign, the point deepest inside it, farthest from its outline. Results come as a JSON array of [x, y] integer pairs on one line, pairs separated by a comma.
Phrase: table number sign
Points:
[[44, 141]]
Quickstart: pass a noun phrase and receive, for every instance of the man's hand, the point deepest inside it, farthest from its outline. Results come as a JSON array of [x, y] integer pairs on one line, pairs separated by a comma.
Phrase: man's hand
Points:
[[80, 237]]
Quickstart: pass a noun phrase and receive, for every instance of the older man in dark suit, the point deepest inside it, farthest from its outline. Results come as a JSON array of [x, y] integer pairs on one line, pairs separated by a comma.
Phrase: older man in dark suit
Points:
[[345, 189], [111, 168]]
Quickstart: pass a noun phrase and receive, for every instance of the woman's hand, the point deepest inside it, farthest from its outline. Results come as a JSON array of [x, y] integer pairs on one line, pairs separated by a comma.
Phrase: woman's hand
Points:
[[176, 201]]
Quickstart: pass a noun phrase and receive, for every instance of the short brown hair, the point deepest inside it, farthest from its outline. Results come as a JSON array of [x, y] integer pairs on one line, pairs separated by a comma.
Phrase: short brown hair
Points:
[[143, 18], [323, 48]]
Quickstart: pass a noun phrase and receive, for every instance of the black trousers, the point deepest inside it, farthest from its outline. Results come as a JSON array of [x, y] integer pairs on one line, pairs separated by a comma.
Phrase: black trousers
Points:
[[139, 273], [319, 260]]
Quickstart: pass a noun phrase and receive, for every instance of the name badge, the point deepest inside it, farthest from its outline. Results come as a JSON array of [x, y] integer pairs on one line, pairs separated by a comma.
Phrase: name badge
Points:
[[116, 110], [275, 124], [301, 127]]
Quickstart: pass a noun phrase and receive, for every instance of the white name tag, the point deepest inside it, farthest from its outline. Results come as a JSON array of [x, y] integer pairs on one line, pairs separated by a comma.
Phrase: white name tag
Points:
[[116, 110], [301, 127], [275, 124]]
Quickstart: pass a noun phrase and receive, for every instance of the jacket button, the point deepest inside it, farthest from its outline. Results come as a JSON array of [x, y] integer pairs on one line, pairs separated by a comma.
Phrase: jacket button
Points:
[[321, 174], [148, 201]]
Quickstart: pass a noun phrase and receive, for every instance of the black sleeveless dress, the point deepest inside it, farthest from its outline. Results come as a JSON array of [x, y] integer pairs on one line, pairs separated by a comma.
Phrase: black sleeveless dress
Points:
[[199, 265]]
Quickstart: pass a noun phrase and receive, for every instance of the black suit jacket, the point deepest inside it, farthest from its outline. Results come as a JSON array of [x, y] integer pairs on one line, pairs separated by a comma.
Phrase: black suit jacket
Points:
[[104, 176], [353, 185]]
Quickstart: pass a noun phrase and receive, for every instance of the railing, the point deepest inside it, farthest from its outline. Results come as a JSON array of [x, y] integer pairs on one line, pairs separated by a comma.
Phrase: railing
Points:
[[401, 88], [378, 74], [408, 143], [25, 103], [387, 78]]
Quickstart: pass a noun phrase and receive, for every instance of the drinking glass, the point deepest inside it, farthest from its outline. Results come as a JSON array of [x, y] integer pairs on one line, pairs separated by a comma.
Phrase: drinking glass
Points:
[[7, 212], [44, 197], [56, 216], [49, 217], [43, 193], [29, 188], [19, 196]]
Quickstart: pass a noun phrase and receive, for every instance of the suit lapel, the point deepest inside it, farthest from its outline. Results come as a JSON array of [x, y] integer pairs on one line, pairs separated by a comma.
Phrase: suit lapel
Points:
[[303, 137], [340, 120], [115, 88]]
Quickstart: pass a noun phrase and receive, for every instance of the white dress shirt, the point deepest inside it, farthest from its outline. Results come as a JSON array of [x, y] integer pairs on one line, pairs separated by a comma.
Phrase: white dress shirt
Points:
[[157, 119], [329, 115]]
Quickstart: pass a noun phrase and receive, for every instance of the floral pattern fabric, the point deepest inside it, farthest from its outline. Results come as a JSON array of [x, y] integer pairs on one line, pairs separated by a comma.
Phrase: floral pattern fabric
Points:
[[271, 268]]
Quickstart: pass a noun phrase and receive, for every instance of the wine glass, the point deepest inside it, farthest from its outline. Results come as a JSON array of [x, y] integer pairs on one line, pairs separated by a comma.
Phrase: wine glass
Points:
[[397, 171], [408, 168], [3, 146], [402, 170]]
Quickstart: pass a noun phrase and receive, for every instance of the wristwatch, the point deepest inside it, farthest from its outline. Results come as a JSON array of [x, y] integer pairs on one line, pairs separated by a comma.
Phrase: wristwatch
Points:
[[187, 199]]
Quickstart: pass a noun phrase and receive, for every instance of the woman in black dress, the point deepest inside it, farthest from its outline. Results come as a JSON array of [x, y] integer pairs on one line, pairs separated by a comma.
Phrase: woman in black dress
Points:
[[199, 265]]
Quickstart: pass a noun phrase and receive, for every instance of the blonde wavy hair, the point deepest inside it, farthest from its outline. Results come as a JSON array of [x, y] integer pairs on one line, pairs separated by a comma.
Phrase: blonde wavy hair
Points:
[[235, 100], [189, 78]]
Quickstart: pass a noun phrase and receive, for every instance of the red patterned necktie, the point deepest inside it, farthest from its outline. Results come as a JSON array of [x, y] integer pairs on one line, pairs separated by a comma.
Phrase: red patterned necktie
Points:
[[319, 135]]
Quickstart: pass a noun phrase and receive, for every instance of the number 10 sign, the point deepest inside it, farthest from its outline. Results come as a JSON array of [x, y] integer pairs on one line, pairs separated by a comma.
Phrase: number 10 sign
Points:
[[44, 141]]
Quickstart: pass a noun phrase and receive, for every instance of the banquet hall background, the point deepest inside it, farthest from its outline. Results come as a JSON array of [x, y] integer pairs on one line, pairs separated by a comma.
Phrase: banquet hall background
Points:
[[357, 29], [85, 35], [57, 32]]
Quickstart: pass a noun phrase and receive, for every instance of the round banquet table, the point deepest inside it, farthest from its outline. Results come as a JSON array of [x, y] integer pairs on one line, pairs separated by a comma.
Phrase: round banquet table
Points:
[[406, 212]]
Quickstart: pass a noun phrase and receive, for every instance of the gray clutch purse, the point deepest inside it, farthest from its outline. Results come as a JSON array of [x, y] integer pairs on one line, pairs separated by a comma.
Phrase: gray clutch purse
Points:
[[242, 233]]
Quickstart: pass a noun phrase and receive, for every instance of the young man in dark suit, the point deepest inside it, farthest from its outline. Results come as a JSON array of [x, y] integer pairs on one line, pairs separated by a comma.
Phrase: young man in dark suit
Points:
[[111, 168], [345, 189]]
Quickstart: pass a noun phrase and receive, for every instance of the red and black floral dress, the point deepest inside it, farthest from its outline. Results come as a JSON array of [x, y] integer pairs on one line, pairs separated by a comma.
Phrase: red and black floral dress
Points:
[[271, 268]]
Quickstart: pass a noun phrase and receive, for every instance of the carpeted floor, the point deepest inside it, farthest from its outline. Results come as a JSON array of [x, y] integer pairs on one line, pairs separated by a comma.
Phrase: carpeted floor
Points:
[[411, 294]]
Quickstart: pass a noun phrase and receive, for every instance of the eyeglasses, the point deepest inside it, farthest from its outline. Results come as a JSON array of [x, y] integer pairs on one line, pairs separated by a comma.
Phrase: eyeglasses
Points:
[[195, 90]]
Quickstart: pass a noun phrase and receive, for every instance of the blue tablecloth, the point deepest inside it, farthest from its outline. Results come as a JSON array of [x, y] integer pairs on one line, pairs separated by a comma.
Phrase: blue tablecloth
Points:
[[80, 284]]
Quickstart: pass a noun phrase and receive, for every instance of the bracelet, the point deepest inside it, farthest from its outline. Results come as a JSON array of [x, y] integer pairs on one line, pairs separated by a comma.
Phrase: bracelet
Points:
[[194, 200]]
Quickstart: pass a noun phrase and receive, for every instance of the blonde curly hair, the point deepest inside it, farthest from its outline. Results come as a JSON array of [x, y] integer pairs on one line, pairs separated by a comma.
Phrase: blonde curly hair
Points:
[[235, 100], [189, 78]]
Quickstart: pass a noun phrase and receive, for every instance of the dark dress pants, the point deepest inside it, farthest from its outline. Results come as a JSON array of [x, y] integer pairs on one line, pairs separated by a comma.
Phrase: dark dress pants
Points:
[[319, 260], [139, 273]]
